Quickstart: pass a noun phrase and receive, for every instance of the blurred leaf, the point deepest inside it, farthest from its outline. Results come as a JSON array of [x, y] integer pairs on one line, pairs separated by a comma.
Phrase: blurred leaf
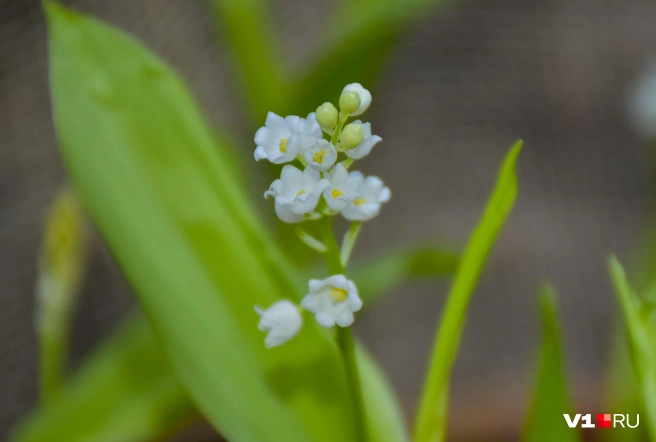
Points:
[[165, 200], [124, 392], [360, 36], [641, 333], [61, 268], [258, 65], [383, 411], [384, 273], [621, 391], [432, 417], [551, 397]]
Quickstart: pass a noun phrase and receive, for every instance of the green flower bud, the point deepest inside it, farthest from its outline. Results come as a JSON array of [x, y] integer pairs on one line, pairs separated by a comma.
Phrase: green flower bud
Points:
[[349, 102], [351, 136], [327, 116]]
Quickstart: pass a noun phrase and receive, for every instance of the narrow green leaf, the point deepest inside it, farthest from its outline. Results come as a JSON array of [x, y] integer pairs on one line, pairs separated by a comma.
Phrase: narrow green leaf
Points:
[[360, 35], [551, 398], [641, 333], [259, 68], [163, 196], [432, 417], [124, 392], [621, 391]]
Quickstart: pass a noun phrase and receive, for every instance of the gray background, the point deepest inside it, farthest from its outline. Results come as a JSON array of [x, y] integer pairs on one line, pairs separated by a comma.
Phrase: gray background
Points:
[[456, 92]]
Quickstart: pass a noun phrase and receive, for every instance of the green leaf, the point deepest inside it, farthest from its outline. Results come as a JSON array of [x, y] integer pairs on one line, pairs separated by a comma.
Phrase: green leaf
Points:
[[165, 199], [432, 417], [256, 59], [621, 392], [124, 392], [551, 396], [381, 275], [360, 36], [641, 334]]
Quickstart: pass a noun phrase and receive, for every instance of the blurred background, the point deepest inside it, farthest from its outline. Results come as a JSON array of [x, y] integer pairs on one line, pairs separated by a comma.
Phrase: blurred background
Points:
[[461, 86]]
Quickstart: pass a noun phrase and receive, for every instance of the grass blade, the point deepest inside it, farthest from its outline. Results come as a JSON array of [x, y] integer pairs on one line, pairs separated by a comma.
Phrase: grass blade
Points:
[[551, 396], [641, 333], [432, 417]]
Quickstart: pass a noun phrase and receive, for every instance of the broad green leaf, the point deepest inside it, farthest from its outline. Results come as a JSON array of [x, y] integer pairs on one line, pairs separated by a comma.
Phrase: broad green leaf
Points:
[[551, 398], [124, 392], [383, 274], [432, 417], [163, 196], [641, 333]]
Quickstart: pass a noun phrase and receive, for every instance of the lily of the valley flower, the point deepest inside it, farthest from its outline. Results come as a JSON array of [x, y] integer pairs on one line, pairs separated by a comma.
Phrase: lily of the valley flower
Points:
[[321, 155], [282, 320], [371, 194], [296, 193], [364, 94], [333, 301], [281, 139], [343, 188], [367, 143]]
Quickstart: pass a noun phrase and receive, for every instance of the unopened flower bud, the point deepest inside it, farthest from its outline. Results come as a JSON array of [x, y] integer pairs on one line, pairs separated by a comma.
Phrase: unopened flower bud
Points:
[[349, 102], [364, 98], [327, 116], [351, 136]]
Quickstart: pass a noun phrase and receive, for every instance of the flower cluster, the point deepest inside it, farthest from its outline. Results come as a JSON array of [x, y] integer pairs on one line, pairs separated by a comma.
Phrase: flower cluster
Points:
[[298, 193], [324, 146]]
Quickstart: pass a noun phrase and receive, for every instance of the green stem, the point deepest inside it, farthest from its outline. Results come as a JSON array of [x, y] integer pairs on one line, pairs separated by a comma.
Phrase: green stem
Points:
[[345, 337], [338, 130], [349, 242], [347, 347]]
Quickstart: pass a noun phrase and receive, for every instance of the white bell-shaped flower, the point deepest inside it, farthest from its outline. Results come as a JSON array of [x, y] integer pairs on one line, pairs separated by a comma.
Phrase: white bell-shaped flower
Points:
[[333, 301], [364, 94], [371, 194], [367, 143], [343, 188], [282, 321], [296, 193], [281, 139], [321, 155]]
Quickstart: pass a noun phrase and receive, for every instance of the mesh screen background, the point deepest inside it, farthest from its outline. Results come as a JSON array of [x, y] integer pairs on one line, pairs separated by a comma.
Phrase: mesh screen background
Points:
[[456, 92]]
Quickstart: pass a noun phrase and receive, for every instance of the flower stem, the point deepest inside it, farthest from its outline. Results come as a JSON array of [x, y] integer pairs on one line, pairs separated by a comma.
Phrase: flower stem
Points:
[[347, 347], [345, 337], [338, 130]]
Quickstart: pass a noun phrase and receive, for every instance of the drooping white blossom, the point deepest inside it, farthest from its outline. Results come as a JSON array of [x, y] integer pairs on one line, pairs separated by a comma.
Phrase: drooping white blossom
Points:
[[321, 155], [332, 300], [371, 194], [367, 143], [281, 139], [296, 193], [343, 188], [282, 321], [364, 94]]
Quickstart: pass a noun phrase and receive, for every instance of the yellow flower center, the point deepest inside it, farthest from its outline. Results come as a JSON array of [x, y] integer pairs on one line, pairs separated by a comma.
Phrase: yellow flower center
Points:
[[300, 192], [318, 157], [338, 295], [336, 193], [359, 201], [283, 145]]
